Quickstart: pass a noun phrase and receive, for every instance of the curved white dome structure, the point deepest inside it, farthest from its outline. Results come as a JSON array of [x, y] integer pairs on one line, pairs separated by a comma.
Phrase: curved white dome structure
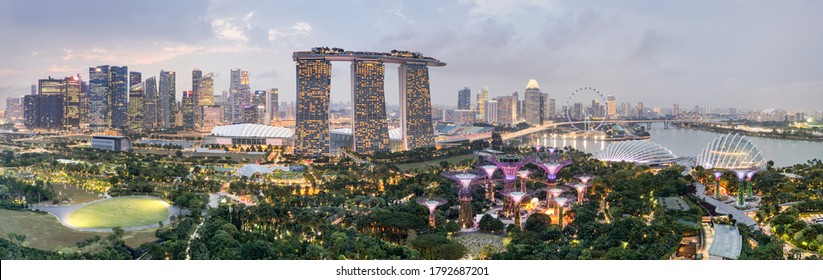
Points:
[[730, 151], [249, 170], [637, 151], [252, 130]]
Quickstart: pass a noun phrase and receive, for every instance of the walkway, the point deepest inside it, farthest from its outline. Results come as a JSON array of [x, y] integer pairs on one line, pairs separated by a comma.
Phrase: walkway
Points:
[[737, 214], [62, 213]]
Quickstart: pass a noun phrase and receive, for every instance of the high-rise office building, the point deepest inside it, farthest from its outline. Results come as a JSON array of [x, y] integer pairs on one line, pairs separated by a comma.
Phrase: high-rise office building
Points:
[[196, 75], [641, 111], [71, 92], [119, 96], [272, 105], [212, 116], [370, 128], [134, 78], [611, 106], [204, 98], [676, 109], [312, 108], [152, 119], [14, 108], [491, 111], [167, 103], [240, 93], [506, 110], [482, 98], [48, 104], [99, 98], [136, 94], [464, 99], [188, 108], [30, 110], [552, 109], [415, 106], [517, 107], [533, 104]]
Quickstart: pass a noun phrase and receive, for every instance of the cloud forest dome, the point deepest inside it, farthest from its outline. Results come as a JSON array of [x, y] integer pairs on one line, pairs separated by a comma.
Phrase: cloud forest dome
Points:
[[636, 151], [730, 151]]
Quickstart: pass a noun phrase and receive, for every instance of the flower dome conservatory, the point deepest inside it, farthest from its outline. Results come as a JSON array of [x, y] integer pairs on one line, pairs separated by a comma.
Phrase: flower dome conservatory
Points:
[[730, 151], [637, 151]]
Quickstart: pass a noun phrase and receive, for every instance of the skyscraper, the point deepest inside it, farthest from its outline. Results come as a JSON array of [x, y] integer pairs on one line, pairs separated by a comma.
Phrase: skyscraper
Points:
[[517, 107], [71, 102], [676, 109], [188, 108], [240, 93], [167, 105], [272, 104], [119, 95], [552, 109], [49, 104], [14, 108], [533, 100], [464, 99], [370, 127], [482, 98], [196, 75], [135, 124], [415, 106], [98, 98], [205, 98], [151, 102], [611, 106], [312, 116], [491, 112], [506, 110]]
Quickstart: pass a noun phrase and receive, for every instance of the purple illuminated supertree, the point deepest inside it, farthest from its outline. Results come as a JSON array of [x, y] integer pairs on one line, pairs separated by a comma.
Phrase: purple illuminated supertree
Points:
[[509, 164], [561, 201], [516, 198], [584, 178], [489, 170], [552, 168], [465, 179], [749, 176], [717, 175], [523, 174], [431, 204], [741, 189], [581, 187]]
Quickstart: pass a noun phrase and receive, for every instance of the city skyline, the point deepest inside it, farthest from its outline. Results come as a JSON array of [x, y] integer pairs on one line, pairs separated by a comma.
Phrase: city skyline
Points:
[[627, 50]]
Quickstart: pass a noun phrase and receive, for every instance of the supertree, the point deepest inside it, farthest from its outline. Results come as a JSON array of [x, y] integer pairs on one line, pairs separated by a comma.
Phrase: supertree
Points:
[[741, 188], [517, 197], [749, 176], [431, 204], [581, 187], [552, 168], [717, 175], [465, 179], [523, 174], [561, 202], [489, 170], [509, 164]]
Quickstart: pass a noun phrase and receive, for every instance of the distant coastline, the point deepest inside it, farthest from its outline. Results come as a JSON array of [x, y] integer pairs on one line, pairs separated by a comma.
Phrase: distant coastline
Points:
[[773, 135]]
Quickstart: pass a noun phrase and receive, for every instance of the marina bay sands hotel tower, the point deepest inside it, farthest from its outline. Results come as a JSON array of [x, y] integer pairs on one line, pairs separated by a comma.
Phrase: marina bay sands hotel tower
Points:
[[369, 125]]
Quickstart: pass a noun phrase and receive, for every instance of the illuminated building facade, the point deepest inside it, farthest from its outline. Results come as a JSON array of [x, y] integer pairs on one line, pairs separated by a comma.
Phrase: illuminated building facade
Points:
[[482, 98], [212, 117], [533, 101], [464, 99], [188, 109], [151, 98], [313, 88], [167, 106], [272, 105], [71, 102], [312, 112], [98, 98], [506, 110], [119, 95], [136, 92], [205, 98], [240, 94], [196, 75], [415, 106], [371, 130]]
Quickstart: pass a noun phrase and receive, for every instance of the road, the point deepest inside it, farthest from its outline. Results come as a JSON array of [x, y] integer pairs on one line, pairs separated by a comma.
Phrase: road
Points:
[[725, 208]]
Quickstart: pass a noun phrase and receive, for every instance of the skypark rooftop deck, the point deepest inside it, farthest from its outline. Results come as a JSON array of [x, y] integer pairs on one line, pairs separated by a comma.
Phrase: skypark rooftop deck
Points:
[[395, 56]]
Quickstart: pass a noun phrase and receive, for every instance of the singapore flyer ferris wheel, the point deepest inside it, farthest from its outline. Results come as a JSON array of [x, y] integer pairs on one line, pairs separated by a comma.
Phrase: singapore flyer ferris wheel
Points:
[[586, 109]]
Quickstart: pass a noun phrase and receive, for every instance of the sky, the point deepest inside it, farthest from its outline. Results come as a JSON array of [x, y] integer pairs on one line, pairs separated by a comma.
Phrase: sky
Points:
[[744, 54]]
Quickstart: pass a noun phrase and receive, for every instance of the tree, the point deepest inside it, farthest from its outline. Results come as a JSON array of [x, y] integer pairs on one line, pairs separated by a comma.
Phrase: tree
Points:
[[537, 223], [497, 141], [490, 224], [178, 153]]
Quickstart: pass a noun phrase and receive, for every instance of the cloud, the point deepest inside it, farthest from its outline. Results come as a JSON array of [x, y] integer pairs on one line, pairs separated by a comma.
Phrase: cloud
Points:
[[61, 69], [139, 56], [227, 29], [299, 29], [7, 72]]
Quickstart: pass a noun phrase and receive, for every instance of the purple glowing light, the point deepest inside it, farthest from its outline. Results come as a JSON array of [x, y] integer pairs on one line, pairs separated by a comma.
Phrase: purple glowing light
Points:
[[741, 174], [717, 175], [524, 174], [751, 174], [552, 150], [465, 179], [580, 187], [584, 178], [555, 192], [489, 169], [552, 168], [517, 196], [509, 165], [537, 148]]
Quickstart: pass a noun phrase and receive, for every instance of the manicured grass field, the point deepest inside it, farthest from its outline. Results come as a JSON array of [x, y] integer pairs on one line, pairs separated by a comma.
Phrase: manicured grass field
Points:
[[120, 212], [43, 231], [451, 160]]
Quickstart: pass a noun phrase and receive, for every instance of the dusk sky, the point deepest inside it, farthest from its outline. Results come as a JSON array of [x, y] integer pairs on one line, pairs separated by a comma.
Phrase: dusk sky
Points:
[[744, 54]]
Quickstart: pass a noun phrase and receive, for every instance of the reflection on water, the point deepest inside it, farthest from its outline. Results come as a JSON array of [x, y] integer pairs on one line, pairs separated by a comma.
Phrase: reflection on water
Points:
[[689, 142]]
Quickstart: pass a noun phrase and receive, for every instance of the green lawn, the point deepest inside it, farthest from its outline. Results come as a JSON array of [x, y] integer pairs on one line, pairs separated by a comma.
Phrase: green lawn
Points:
[[43, 231], [120, 212], [451, 160]]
